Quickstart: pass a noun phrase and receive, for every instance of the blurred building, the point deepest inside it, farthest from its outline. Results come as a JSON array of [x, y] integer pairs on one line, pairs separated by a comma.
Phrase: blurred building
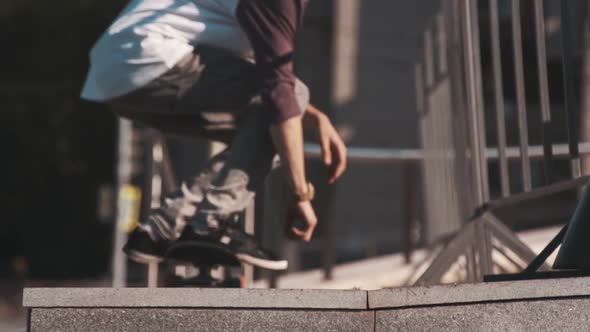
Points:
[[356, 56]]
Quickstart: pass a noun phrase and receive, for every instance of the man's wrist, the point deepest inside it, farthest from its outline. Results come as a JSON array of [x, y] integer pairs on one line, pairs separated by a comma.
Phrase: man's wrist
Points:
[[304, 193], [312, 117], [288, 139]]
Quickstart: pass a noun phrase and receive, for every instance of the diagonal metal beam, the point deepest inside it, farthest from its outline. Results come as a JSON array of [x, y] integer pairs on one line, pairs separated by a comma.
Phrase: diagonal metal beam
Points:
[[509, 239], [449, 255]]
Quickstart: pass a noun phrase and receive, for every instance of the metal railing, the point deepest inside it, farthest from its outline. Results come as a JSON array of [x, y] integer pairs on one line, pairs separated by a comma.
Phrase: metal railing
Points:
[[452, 114]]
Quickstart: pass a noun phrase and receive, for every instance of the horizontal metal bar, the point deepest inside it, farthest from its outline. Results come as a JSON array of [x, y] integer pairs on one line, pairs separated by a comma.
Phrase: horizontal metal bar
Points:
[[536, 151], [536, 193], [413, 155], [372, 154]]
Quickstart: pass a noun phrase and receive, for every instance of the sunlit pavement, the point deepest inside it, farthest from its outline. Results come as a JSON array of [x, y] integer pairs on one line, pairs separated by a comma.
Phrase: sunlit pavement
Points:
[[13, 327]]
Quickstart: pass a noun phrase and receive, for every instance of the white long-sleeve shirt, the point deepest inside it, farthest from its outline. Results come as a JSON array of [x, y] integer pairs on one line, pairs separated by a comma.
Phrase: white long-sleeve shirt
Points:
[[150, 36]]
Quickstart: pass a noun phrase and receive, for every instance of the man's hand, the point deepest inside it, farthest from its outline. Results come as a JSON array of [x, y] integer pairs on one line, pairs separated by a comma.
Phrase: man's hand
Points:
[[301, 211], [333, 148]]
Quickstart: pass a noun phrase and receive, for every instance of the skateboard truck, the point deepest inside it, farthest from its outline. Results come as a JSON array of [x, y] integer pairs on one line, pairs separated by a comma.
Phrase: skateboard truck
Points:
[[198, 264]]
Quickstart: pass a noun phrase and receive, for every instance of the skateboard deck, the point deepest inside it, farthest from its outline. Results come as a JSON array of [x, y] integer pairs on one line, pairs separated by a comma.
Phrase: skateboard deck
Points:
[[197, 252], [217, 266]]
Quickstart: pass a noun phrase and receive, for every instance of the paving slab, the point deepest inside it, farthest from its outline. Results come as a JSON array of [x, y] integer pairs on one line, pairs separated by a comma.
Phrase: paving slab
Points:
[[559, 315], [193, 298], [481, 292], [180, 320]]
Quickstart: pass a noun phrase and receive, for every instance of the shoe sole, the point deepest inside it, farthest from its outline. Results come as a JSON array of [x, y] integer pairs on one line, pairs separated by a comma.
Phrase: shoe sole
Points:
[[263, 263], [142, 258]]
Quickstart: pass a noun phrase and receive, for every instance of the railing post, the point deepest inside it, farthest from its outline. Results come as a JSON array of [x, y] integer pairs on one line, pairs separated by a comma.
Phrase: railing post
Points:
[[475, 99], [546, 129], [409, 210], [128, 197], [571, 105], [499, 98], [520, 96]]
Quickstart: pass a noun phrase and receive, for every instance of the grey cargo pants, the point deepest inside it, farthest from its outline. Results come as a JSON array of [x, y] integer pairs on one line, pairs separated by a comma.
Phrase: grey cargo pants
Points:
[[210, 94]]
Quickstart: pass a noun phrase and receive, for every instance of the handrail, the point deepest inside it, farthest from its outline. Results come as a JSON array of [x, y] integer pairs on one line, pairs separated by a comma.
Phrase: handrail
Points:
[[413, 155]]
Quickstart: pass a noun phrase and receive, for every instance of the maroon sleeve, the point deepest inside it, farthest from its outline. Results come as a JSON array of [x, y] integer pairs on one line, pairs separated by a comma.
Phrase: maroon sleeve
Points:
[[271, 26]]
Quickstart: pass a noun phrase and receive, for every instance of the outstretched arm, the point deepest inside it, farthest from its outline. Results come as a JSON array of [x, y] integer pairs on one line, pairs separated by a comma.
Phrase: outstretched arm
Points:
[[271, 26]]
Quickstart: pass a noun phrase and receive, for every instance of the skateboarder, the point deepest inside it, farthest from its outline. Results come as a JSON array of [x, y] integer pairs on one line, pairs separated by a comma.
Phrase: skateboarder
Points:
[[223, 70]]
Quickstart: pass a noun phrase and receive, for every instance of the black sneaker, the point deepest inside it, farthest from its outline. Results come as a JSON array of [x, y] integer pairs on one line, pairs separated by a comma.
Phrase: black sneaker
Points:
[[230, 238], [247, 249], [149, 241], [141, 248]]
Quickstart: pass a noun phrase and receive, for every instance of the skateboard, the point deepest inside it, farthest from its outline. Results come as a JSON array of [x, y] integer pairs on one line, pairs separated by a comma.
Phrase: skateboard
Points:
[[202, 264]]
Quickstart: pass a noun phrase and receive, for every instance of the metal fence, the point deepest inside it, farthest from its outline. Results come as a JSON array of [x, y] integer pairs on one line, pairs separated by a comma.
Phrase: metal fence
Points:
[[454, 128]]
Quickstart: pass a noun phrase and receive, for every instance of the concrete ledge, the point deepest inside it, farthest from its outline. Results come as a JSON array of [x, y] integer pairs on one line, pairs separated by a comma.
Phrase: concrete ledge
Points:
[[168, 319], [538, 305], [479, 293], [559, 315], [193, 298]]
